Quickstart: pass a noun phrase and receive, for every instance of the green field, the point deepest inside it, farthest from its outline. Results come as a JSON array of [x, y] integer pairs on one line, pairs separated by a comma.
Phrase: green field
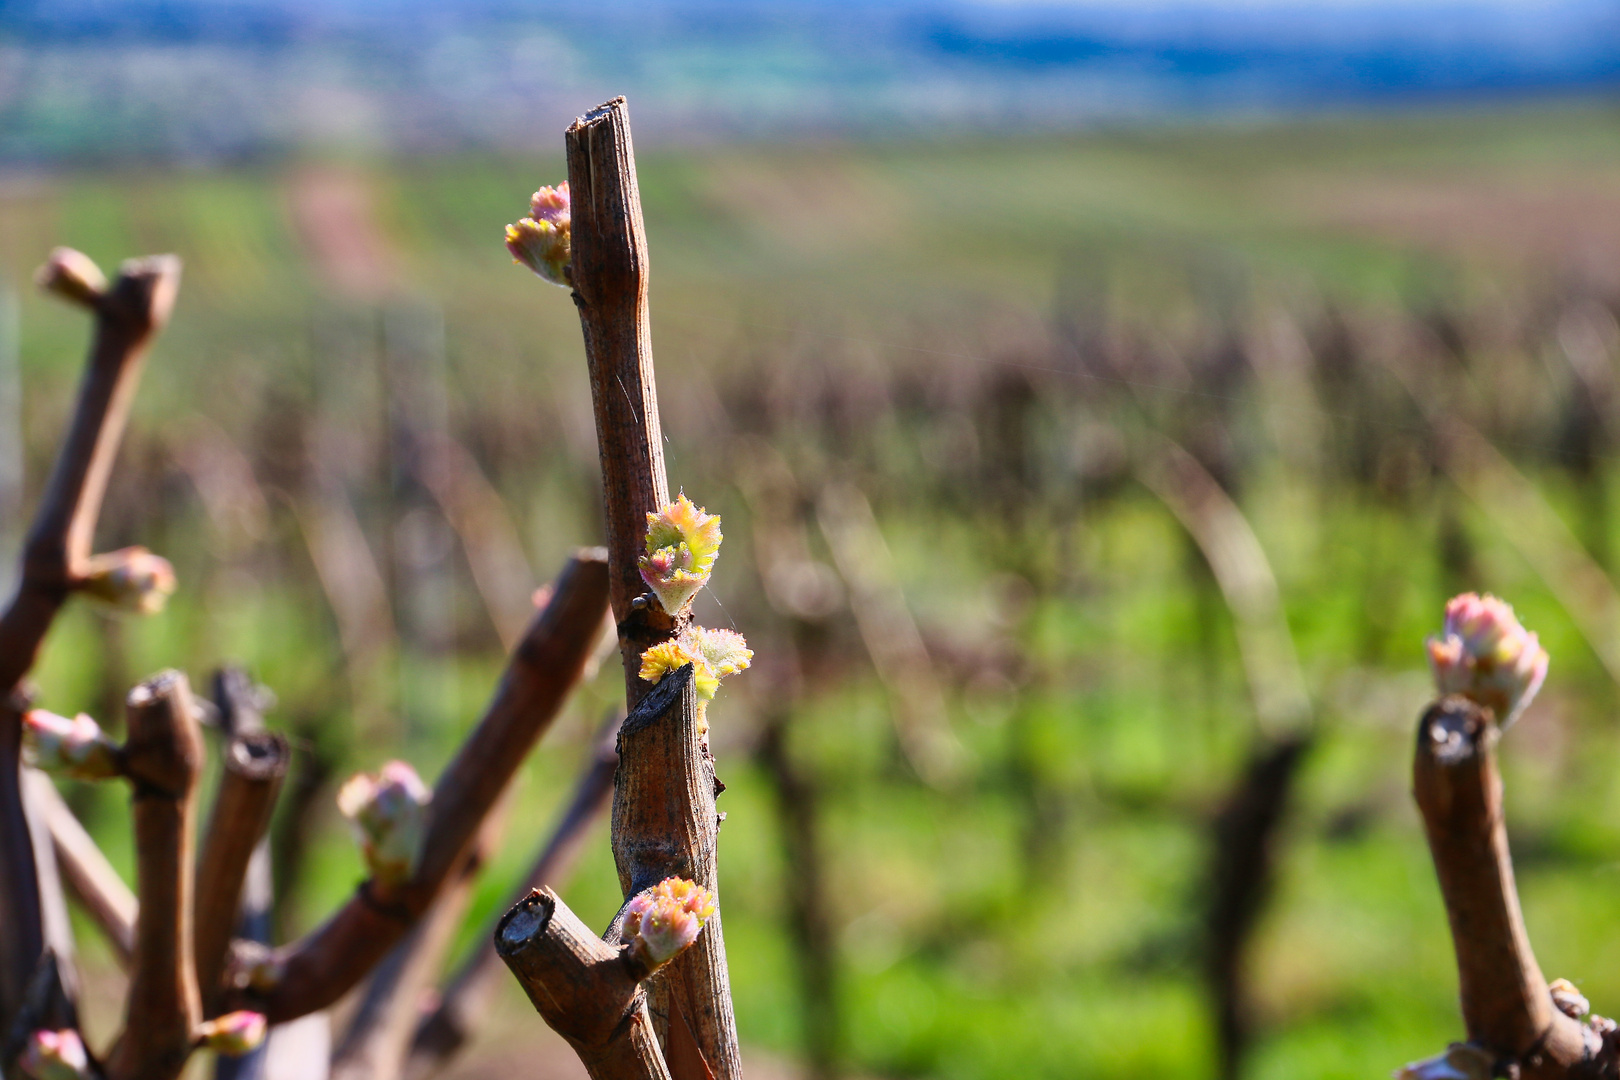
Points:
[[917, 320]]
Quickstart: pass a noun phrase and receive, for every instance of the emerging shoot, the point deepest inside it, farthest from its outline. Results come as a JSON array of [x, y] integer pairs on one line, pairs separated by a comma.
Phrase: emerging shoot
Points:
[[541, 240], [55, 1055], [1484, 654], [713, 654], [73, 276], [130, 579], [1570, 1001], [682, 543], [234, 1034], [73, 748], [388, 810], [666, 919]]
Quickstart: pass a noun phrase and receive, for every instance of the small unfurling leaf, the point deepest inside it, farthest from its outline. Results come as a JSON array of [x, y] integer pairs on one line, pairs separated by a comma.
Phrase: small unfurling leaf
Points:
[[542, 240], [713, 654], [683, 542]]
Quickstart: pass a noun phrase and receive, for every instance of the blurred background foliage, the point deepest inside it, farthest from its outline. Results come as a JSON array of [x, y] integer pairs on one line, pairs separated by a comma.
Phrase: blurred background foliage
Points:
[[998, 698]]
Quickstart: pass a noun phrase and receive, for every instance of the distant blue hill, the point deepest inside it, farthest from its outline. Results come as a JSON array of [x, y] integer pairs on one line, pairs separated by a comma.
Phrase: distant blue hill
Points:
[[203, 79]]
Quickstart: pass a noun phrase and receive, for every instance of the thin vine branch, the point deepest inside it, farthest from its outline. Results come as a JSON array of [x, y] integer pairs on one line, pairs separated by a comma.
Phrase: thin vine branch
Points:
[[314, 972], [587, 990], [89, 877], [466, 1001], [162, 760], [1506, 1005], [56, 556], [609, 270], [255, 766]]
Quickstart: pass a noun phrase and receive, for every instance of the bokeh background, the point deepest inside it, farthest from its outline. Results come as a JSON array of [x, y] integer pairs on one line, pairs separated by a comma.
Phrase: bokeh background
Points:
[[1101, 400]]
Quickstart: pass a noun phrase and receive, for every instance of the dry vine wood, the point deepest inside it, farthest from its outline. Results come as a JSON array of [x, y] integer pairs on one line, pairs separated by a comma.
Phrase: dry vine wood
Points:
[[128, 313], [663, 815], [1506, 1005], [255, 764], [85, 870], [378, 1038], [56, 926], [610, 277], [240, 703], [162, 759], [466, 1000], [313, 973], [588, 991]]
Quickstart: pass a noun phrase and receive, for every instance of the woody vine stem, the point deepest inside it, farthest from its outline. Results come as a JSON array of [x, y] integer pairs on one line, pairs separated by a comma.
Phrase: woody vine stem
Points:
[[588, 234]]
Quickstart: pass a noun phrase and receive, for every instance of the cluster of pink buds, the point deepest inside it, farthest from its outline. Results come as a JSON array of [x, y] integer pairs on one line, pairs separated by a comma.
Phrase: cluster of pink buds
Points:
[[389, 811], [662, 921], [131, 579], [234, 1034], [73, 276], [683, 542], [1461, 1061], [1484, 654], [74, 748], [55, 1055], [541, 240]]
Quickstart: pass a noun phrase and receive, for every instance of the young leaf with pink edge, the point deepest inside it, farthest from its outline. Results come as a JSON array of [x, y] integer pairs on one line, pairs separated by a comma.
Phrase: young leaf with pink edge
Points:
[[713, 654], [683, 542]]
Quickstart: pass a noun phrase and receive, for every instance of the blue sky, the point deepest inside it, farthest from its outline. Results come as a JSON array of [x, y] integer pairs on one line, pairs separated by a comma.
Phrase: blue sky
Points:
[[205, 78]]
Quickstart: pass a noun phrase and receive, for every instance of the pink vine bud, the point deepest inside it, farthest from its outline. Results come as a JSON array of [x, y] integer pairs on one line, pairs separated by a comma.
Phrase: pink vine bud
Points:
[[1461, 1061], [55, 1055], [130, 579], [1570, 1001], [253, 966], [1484, 654], [73, 276], [541, 240], [682, 543], [666, 919], [73, 748], [234, 1034], [713, 654], [389, 811]]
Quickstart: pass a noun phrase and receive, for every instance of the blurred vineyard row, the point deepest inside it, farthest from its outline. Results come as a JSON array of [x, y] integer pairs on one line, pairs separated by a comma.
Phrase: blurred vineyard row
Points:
[[961, 407]]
